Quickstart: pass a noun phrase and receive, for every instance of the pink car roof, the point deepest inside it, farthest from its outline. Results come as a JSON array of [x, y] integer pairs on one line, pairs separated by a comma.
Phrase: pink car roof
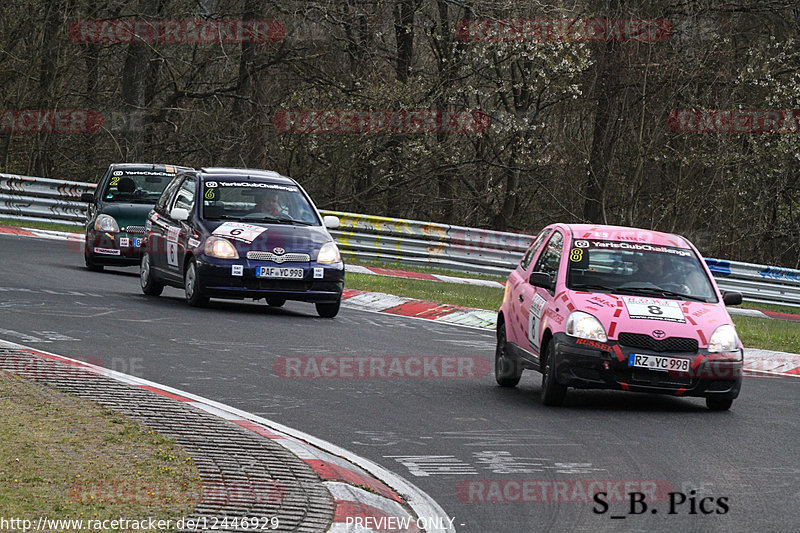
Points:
[[620, 233]]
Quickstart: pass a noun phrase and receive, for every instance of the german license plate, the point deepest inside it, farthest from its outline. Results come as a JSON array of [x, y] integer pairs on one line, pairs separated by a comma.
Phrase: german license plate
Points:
[[658, 362], [277, 272]]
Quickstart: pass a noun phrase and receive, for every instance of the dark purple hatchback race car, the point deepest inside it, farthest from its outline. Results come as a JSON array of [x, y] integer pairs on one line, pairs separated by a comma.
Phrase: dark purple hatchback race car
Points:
[[242, 233]]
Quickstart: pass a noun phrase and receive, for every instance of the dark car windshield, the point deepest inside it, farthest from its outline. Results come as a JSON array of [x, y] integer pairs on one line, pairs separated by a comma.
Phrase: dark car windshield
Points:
[[136, 186], [257, 201], [638, 269]]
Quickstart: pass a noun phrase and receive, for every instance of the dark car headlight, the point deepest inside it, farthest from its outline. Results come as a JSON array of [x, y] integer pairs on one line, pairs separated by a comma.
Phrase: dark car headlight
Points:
[[221, 248], [329, 254], [106, 223]]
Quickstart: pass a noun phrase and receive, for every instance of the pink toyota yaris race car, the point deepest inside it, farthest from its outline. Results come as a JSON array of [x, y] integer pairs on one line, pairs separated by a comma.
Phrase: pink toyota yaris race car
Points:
[[618, 308]]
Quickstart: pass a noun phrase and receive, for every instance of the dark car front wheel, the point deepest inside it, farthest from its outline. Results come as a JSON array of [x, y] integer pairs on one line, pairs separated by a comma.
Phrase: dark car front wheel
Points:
[[191, 284], [274, 301], [147, 279], [507, 370], [553, 393], [328, 309], [719, 404], [90, 264]]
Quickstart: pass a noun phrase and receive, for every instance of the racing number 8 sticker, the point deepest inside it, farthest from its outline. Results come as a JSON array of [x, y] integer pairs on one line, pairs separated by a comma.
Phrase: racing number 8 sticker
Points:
[[576, 255], [653, 309]]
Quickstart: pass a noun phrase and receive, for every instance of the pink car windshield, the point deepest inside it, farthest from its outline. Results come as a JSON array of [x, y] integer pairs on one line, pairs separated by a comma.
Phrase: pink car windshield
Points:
[[638, 269]]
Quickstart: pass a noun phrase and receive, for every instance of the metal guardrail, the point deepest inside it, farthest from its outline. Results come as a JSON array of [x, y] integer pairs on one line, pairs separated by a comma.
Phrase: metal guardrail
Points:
[[408, 242], [758, 283], [43, 199], [413, 242]]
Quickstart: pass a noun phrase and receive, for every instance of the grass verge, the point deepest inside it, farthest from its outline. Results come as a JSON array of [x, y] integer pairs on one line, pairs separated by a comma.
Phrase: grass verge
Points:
[[434, 291], [65, 457], [771, 307], [40, 225], [779, 335], [352, 260]]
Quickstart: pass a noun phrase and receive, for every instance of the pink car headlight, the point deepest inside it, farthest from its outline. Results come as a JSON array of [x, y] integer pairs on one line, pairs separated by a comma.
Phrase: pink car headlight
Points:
[[585, 326], [724, 339]]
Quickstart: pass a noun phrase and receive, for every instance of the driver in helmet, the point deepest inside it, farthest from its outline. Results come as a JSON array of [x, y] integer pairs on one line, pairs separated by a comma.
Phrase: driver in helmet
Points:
[[269, 203]]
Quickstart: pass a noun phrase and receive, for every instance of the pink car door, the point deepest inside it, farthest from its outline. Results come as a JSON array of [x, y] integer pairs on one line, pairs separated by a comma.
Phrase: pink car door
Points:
[[520, 291], [537, 298]]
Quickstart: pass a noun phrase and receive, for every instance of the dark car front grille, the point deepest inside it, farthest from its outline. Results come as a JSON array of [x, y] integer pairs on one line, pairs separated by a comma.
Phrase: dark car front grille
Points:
[[135, 229], [670, 344], [275, 258]]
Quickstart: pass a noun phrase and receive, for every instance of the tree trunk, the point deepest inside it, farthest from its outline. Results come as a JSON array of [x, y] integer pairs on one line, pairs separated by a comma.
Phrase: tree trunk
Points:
[[134, 83], [404, 33], [604, 133]]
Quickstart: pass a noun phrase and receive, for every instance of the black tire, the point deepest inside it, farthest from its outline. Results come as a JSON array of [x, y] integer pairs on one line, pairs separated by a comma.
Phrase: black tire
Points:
[[507, 370], [147, 279], [191, 284], [719, 404], [328, 309], [274, 301], [90, 264], [553, 393]]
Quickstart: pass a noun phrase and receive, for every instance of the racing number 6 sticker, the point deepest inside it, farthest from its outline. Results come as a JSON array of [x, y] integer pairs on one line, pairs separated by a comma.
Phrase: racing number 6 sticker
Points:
[[172, 253]]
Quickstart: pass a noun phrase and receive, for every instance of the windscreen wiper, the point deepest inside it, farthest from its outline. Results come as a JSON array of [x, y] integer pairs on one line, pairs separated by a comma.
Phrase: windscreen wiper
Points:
[[269, 218], [593, 286], [663, 292]]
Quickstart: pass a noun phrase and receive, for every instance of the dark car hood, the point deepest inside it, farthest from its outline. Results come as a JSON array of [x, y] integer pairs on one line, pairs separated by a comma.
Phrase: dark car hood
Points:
[[297, 239], [127, 214]]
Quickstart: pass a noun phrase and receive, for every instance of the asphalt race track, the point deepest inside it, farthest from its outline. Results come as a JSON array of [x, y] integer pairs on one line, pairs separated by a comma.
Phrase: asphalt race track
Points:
[[463, 441]]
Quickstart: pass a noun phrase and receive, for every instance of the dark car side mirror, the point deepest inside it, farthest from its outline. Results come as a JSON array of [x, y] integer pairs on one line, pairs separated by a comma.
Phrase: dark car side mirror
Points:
[[541, 279], [731, 297], [87, 197]]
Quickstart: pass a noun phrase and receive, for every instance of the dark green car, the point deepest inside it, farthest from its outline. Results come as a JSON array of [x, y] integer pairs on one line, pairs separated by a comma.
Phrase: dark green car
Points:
[[118, 210]]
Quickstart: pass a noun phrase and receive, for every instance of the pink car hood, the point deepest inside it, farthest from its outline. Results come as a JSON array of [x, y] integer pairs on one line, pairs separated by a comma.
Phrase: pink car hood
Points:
[[696, 320]]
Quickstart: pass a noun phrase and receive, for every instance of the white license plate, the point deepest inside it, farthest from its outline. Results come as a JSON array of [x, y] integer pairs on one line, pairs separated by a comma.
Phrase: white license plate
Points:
[[658, 362], [276, 272]]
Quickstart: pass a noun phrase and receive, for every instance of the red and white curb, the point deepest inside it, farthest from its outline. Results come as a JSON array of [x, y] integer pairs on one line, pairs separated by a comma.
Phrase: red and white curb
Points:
[[339, 469], [770, 363], [763, 314], [43, 233], [360, 269], [409, 307]]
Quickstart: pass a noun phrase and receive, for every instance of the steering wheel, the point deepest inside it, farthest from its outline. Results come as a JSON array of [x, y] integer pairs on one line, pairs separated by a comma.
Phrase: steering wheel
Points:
[[678, 287]]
